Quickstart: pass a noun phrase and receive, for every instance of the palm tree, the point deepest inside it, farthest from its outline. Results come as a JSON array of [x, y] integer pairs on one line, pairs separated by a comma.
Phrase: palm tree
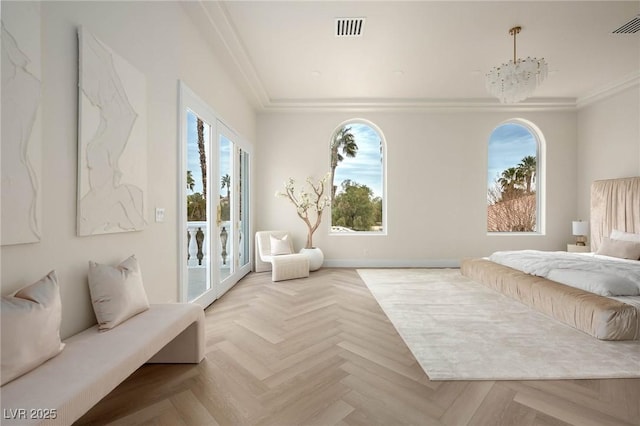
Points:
[[510, 182], [225, 181], [507, 179], [527, 169], [343, 143], [203, 157], [191, 183]]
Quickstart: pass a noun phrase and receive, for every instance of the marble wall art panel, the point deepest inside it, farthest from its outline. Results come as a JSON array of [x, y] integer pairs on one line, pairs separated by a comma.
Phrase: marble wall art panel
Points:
[[21, 149], [112, 141]]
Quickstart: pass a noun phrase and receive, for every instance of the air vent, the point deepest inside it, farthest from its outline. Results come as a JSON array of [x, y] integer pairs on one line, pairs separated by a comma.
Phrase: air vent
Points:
[[633, 26], [349, 27]]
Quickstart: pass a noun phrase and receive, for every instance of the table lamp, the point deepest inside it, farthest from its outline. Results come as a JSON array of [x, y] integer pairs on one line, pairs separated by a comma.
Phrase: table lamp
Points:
[[580, 230]]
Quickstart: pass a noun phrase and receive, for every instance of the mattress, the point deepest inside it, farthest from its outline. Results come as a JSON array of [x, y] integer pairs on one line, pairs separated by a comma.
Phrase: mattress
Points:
[[605, 318]]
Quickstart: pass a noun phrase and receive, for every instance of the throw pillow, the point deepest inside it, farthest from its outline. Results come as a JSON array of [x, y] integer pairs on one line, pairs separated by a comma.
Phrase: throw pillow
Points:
[[624, 236], [117, 292], [279, 245], [30, 327], [620, 248]]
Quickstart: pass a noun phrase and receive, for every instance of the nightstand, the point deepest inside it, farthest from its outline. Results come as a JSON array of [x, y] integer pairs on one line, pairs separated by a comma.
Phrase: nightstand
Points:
[[572, 248]]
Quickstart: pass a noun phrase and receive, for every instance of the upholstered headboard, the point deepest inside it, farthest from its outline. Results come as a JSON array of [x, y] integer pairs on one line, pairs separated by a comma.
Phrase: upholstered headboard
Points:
[[615, 204]]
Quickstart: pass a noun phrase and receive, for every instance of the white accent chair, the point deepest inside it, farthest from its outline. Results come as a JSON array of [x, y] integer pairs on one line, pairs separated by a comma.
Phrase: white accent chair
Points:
[[282, 266]]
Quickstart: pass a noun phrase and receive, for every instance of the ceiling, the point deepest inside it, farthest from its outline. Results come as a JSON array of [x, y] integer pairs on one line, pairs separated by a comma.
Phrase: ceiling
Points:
[[285, 54]]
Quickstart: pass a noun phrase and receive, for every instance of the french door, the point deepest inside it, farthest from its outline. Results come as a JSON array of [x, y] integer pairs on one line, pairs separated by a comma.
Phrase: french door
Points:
[[214, 224], [232, 218]]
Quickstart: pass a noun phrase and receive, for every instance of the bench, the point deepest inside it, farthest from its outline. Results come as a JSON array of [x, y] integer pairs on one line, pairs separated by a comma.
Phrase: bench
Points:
[[93, 363]]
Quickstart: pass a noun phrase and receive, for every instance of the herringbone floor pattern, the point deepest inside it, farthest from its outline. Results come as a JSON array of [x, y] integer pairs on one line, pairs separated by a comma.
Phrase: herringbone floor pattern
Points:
[[320, 351]]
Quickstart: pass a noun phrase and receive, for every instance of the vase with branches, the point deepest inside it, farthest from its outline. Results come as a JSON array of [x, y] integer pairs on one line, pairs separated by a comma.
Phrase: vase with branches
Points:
[[310, 201]]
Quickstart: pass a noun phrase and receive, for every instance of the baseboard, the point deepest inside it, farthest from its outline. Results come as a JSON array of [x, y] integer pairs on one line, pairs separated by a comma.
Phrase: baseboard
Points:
[[391, 263]]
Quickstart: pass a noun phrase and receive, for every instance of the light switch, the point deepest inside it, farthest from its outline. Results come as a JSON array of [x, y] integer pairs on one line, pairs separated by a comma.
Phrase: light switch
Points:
[[159, 214]]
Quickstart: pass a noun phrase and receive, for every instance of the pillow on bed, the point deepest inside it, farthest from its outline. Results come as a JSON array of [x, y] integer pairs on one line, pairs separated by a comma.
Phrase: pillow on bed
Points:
[[595, 282], [117, 293], [624, 236], [620, 248], [30, 327]]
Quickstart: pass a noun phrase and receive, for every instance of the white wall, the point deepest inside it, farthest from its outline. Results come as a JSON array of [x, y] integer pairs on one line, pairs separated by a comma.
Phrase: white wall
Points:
[[436, 183], [158, 39], [608, 142]]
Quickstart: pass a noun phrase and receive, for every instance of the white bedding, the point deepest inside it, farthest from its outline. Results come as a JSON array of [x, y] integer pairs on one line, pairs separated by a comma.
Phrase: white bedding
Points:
[[603, 275]]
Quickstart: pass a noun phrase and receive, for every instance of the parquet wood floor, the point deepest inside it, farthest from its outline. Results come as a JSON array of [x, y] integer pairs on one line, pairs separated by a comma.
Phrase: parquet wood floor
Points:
[[320, 351]]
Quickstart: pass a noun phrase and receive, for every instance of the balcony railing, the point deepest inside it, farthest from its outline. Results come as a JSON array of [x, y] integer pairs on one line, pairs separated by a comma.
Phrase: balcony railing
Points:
[[198, 245], [198, 256]]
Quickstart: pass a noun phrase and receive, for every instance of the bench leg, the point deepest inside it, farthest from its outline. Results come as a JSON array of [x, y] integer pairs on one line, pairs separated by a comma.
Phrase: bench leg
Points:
[[186, 348]]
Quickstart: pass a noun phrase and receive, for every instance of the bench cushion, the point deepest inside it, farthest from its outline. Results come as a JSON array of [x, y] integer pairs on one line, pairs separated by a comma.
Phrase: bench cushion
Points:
[[93, 363]]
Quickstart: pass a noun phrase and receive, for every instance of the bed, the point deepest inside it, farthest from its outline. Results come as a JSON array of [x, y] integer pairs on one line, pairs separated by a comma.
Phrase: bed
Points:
[[596, 292]]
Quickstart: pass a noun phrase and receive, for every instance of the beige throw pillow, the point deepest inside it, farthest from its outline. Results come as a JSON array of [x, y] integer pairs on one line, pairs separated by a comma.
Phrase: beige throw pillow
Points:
[[624, 236], [117, 292], [620, 248], [279, 245], [30, 327]]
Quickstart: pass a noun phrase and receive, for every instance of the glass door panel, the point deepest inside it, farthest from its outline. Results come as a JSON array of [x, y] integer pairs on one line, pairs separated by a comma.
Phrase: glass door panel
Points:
[[233, 224], [226, 201], [198, 229], [243, 209]]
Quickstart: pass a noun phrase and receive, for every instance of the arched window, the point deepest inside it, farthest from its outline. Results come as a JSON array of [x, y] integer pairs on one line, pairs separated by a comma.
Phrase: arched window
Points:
[[357, 180], [514, 179]]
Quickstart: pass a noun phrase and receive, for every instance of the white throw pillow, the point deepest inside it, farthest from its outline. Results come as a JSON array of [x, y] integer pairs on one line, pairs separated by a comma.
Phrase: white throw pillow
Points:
[[624, 236], [620, 248], [30, 327], [117, 292], [595, 282], [279, 245]]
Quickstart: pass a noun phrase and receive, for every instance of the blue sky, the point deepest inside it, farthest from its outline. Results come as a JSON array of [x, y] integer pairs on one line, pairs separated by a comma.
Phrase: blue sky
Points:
[[508, 145], [366, 167], [193, 155]]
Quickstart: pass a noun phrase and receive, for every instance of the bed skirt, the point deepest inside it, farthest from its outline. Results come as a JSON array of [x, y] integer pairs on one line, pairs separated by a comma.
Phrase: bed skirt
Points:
[[599, 316]]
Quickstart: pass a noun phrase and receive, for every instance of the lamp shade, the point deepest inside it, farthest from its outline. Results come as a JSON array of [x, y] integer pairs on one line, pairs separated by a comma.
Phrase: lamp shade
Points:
[[580, 227]]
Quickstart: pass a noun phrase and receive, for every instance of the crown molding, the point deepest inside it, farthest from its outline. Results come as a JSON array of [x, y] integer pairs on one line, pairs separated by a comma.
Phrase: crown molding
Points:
[[611, 89], [432, 105], [226, 36]]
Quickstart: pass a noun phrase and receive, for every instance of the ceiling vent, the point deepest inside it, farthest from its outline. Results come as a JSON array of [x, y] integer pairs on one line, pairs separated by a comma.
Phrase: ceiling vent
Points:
[[633, 26], [349, 27]]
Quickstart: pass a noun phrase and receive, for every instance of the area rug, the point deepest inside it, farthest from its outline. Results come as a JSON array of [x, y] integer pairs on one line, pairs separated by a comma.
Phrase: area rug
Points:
[[458, 329]]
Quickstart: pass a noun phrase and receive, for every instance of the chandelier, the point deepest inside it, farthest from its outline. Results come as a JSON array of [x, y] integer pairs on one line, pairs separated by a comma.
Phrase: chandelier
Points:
[[517, 79]]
